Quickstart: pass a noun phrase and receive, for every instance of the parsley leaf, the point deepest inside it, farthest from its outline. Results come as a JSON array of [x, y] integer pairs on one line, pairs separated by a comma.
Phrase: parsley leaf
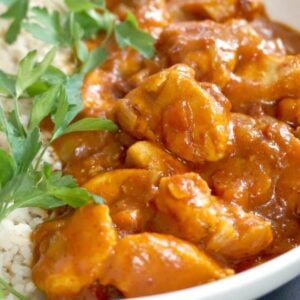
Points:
[[24, 149], [45, 26], [58, 118], [75, 5], [93, 22], [3, 121], [72, 89], [49, 190], [17, 11], [95, 58], [91, 124], [7, 168], [41, 189], [52, 76], [43, 106], [127, 33], [53, 28], [30, 71], [7, 84]]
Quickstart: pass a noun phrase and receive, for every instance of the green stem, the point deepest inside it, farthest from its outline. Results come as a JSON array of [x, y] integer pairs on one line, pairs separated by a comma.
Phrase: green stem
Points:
[[11, 290], [40, 158], [7, 196], [18, 119], [5, 210]]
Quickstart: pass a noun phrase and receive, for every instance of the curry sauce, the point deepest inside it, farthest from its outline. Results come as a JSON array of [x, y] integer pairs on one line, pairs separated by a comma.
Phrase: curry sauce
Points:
[[202, 179]]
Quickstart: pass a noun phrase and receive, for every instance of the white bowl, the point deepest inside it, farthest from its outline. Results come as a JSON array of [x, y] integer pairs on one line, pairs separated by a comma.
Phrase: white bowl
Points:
[[263, 279], [285, 11]]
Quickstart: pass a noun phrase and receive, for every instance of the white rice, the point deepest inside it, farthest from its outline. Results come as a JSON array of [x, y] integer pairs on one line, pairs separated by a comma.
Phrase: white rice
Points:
[[16, 229]]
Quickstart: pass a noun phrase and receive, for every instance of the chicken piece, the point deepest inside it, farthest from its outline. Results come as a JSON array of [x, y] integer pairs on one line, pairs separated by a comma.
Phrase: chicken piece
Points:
[[247, 182], [286, 37], [189, 119], [146, 155], [187, 198], [147, 264], [132, 184], [207, 47], [264, 153], [288, 110], [214, 9], [84, 155], [204, 218], [221, 10], [240, 235], [152, 15], [288, 188], [266, 79], [122, 65], [73, 256], [119, 74], [212, 49], [106, 84], [265, 139], [129, 194]]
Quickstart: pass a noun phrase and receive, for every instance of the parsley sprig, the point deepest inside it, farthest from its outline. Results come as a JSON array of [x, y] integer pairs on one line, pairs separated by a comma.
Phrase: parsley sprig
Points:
[[16, 12], [23, 182], [83, 20]]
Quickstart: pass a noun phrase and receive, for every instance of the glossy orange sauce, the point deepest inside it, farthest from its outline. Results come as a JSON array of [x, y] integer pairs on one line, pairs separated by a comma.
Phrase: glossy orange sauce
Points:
[[203, 178]]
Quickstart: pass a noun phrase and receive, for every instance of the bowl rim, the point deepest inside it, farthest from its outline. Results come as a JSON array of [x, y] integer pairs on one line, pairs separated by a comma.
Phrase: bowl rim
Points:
[[221, 288]]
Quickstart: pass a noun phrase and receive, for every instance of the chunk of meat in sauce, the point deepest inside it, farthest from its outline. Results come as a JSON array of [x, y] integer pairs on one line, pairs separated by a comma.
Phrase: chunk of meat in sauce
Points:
[[212, 49], [71, 258], [145, 155], [285, 37], [220, 10], [271, 145], [288, 110], [264, 79], [129, 194], [223, 228], [288, 188], [148, 263], [262, 150], [171, 108], [84, 155], [245, 181], [120, 73]]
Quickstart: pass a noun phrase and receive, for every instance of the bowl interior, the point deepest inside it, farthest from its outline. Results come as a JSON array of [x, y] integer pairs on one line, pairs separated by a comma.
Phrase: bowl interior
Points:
[[287, 12]]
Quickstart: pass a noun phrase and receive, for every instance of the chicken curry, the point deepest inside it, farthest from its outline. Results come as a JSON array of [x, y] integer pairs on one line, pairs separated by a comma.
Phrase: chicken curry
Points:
[[202, 180]]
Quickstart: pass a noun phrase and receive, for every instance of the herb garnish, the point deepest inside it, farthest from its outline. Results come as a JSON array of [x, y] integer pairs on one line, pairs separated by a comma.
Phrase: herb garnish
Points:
[[23, 183], [17, 11], [83, 20]]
